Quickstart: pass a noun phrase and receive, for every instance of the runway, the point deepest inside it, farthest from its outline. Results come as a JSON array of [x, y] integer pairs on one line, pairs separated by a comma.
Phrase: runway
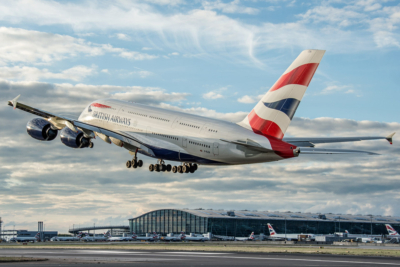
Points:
[[89, 257]]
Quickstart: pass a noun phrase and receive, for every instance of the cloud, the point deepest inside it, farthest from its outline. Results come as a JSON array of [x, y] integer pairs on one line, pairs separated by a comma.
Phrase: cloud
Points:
[[212, 95], [249, 99], [231, 7], [76, 73], [330, 89], [142, 73], [27, 46], [123, 36]]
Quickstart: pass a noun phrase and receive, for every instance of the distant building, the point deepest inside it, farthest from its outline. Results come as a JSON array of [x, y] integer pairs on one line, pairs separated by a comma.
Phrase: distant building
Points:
[[242, 223]]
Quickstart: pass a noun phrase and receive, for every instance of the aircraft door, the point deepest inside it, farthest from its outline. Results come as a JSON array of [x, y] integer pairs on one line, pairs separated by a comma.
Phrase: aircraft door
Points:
[[216, 148], [184, 142]]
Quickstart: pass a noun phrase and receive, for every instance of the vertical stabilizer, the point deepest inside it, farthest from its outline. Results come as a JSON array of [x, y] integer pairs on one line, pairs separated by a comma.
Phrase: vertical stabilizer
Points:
[[273, 114]]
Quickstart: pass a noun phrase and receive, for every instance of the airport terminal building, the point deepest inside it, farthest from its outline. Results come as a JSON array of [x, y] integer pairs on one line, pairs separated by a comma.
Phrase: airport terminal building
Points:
[[242, 223]]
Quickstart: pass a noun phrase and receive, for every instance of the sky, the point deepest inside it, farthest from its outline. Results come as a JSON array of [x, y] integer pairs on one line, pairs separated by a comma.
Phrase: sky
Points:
[[211, 58]]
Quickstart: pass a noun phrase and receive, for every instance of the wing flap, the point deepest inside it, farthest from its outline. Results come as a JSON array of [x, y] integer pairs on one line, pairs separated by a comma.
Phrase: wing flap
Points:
[[314, 150], [311, 141]]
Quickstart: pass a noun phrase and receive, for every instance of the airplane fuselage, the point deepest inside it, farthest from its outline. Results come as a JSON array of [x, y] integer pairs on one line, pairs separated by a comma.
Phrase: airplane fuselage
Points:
[[177, 136]]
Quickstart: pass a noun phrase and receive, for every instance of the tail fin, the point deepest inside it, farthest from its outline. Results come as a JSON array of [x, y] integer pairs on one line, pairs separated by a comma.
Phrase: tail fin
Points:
[[271, 230], [251, 236], [273, 114], [391, 230], [347, 232]]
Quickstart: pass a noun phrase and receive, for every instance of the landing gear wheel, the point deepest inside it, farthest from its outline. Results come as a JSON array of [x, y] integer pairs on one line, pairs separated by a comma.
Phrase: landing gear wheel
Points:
[[186, 169], [151, 167], [128, 164], [192, 170], [169, 168], [163, 167], [157, 167], [140, 163], [91, 145], [194, 166], [174, 169], [180, 169], [134, 164]]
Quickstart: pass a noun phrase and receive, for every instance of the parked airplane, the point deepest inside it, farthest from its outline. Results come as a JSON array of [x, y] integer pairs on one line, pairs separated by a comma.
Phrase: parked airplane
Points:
[[93, 238], [391, 231], [25, 239], [190, 139], [171, 237], [289, 237], [154, 237], [122, 238], [194, 237], [65, 238], [249, 238]]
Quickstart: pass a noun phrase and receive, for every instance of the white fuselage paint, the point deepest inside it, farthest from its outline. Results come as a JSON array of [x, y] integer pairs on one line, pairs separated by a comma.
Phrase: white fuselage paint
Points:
[[178, 136]]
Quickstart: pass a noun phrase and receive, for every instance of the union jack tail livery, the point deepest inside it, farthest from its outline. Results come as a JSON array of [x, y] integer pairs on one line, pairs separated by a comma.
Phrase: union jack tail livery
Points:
[[155, 235], [271, 230], [37, 237], [107, 234], [134, 236], [391, 230], [273, 114], [251, 236]]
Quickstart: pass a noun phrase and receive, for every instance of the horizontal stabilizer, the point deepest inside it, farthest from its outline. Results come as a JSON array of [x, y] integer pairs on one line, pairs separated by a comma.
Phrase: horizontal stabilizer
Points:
[[249, 144], [313, 150], [390, 138]]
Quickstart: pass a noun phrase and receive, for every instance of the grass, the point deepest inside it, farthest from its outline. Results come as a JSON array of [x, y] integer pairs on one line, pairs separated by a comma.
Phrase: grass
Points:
[[19, 259]]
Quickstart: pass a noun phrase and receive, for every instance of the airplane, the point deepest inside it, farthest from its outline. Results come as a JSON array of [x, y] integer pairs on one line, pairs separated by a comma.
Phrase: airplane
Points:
[[122, 238], [192, 140], [391, 231], [154, 237], [172, 237], [249, 238], [26, 239], [289, 237], [193, 237], [88, 238], [65, 238]]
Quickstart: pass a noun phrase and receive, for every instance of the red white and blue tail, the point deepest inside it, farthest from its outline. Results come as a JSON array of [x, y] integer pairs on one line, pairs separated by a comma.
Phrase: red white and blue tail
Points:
[[391, 230], [271, 230], [273, 114]]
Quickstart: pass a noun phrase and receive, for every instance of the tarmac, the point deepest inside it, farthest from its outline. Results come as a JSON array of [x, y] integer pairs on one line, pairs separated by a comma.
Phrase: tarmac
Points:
[[98, 257]]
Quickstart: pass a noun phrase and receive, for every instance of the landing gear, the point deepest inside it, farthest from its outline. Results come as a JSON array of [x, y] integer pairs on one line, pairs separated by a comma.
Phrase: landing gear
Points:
[[91, 145], [161, 167], [134, 163]]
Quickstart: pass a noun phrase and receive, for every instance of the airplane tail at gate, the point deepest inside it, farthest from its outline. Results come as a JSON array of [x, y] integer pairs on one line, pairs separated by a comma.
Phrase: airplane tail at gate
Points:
[[391, 230], [273, 114], [271, 230]]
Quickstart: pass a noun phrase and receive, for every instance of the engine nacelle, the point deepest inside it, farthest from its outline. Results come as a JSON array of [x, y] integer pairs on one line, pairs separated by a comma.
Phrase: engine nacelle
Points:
[[40, 129], [74, 139]]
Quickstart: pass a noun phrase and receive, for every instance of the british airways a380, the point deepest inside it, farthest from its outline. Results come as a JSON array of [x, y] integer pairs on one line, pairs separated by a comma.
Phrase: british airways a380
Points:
[[191, 140]]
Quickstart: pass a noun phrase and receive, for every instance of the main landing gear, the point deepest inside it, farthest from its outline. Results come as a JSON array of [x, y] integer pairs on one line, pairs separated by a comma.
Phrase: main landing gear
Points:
[[184, 168], [134, 163]]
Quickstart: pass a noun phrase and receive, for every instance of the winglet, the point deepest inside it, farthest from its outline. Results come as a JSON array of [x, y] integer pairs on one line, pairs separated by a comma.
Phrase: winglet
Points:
[[390, 138], [14, 101]]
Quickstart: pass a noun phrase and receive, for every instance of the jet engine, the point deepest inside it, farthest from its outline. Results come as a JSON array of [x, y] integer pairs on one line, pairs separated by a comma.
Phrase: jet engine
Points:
[[40, 129], [74, 139]]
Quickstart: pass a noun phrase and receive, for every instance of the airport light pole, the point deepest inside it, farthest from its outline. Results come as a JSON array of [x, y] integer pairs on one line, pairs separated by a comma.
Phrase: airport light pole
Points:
[[371, 223], [285, 229]]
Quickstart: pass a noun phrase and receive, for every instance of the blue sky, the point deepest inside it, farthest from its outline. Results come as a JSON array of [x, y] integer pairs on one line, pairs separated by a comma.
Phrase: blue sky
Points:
[[213, 58]]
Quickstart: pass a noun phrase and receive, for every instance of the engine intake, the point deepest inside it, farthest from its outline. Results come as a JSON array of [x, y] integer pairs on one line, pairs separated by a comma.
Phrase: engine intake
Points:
[[40, 129], [74, 139]]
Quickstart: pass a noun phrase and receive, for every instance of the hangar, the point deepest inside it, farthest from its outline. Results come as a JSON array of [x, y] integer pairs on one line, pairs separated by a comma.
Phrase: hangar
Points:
[[243, 222]]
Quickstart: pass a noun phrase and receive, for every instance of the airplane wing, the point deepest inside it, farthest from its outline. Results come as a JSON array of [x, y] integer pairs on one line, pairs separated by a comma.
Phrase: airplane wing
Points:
[[314, 150], [311, 141], [88, 130]]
